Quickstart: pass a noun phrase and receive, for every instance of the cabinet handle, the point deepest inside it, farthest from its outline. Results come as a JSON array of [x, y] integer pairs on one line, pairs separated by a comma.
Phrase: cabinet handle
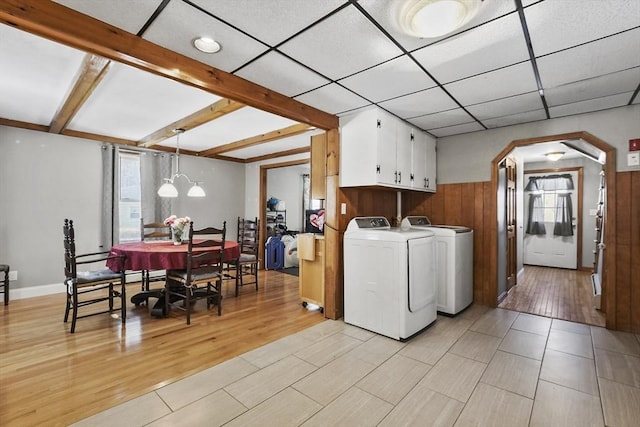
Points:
[[427, 181], [399, 177], [378, 169], [411, 177], [396, 177]]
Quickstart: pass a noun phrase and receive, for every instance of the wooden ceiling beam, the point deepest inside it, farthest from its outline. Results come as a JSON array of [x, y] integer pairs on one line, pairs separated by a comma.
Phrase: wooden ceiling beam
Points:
[[207, 114], [61, 24], [23, 125], [93, 70], [97, 137], [292, 130], [271, 156]]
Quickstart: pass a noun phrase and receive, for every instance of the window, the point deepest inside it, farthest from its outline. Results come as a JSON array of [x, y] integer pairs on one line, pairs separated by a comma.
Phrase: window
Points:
[[550, 202], [129, 201]]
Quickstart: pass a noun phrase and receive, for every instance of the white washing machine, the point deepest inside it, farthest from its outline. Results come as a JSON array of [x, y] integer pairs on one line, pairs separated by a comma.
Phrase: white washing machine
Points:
[[454, 263], [389, 278]]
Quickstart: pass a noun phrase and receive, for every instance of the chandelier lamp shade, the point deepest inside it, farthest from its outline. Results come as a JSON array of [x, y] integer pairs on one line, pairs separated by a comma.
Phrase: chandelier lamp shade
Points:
[[168, 189]]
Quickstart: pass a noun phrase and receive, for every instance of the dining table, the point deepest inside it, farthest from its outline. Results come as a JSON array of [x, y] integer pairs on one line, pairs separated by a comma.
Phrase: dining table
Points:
[[154, 255]]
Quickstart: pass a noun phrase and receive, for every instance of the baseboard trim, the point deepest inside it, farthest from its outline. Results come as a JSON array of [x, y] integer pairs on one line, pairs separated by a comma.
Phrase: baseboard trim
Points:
[[36, 291], [54, 288]]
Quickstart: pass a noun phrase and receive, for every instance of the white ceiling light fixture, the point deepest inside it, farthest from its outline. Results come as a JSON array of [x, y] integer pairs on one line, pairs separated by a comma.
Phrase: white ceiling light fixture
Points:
[[168, 189], [436, 18], [555, 156], [207, 45]]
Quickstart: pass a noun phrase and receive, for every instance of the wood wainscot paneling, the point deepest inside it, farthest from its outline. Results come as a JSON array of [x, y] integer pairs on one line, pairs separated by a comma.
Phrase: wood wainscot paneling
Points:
[[627, 265]]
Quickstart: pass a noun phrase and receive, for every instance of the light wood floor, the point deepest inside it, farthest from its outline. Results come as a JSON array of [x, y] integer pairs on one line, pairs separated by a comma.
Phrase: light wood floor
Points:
[[554, 292], [51, 377]]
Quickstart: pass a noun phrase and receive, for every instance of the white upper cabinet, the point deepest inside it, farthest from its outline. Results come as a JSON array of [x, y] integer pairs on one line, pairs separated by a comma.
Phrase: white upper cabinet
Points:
[[423, 165], [378, 149]]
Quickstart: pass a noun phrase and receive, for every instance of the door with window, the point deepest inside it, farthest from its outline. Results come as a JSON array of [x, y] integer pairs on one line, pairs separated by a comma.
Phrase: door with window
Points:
[[551, 216]]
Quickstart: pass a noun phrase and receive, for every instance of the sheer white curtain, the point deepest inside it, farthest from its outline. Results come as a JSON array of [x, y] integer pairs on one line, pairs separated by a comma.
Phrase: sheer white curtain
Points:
[[153, 167]]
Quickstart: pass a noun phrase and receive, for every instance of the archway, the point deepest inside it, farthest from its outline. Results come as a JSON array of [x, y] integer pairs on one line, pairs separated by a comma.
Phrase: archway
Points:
[[609, 272]]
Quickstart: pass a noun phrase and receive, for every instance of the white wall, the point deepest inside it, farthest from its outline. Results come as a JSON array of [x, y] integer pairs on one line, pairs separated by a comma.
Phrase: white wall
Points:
[[45, 178], [467, 157]]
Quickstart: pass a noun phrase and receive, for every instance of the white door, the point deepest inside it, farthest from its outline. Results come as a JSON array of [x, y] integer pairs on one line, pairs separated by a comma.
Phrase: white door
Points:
[[548, 249]]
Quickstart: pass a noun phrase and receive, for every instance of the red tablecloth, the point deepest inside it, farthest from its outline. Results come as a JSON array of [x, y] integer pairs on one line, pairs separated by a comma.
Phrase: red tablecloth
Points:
[[161, 255]]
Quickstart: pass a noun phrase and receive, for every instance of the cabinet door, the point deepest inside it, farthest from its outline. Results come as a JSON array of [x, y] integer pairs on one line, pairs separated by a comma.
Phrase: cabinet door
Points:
[[403, 154], [431, 163], [419, 161], [386, 167]]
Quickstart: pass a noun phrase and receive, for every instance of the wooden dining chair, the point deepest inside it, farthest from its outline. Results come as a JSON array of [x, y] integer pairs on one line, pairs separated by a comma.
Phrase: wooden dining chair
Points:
[[4, 284], [247, 263], [202, 279], [153, 231], [89, 287]]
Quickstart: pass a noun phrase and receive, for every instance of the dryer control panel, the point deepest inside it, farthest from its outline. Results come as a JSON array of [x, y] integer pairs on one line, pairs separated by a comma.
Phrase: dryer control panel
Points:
[[376, 222]]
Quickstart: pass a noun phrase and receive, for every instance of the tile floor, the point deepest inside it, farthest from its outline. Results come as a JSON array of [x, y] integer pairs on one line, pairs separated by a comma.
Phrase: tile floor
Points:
[[484, 367]]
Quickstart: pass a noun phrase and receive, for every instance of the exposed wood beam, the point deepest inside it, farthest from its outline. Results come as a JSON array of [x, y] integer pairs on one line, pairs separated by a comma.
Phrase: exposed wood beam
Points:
[[259, 139], [292, 152], [93, 70], [207, 114], [96, 137], [61, 24], [23, 125]]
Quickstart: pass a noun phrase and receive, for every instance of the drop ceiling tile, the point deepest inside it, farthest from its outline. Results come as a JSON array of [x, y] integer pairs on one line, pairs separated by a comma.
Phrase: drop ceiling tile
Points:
[[601, 57], [279, 73], [457, 116], [505, 106], [341, 45], [35, 75], [389, 80], [514, 80], [418, 104], [169, 31], [126, 14], [493, 45], [556, 25], [388, 13], [131, 104], [244, 123], [333, 99], [597, 104], [456, 130], [515, 119], [272, 24], [596, 87]]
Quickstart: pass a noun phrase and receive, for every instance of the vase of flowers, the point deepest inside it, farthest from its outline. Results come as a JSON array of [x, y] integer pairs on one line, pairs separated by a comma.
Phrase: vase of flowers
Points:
[[177, 227]]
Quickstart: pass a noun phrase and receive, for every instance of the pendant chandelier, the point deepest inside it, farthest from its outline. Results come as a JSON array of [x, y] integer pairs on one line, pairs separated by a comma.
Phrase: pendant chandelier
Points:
[[168, 189]]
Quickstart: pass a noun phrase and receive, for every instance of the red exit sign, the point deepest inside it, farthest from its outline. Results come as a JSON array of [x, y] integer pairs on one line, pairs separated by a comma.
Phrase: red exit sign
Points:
[[634, 144]]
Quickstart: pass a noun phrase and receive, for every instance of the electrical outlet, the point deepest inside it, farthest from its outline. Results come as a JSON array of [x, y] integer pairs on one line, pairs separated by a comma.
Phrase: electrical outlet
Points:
[[13, 274], [343, 208]]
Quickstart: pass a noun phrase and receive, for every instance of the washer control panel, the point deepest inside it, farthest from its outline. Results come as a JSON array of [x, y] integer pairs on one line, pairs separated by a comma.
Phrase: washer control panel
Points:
[[372, 222]]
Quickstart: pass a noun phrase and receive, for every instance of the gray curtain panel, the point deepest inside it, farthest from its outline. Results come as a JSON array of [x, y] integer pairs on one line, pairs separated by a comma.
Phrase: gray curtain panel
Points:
[[564, 215], [535, 224]]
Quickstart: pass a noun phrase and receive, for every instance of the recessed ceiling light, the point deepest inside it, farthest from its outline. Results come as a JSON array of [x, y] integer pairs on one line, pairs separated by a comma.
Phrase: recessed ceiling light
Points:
[[436, 18], [207, 45]]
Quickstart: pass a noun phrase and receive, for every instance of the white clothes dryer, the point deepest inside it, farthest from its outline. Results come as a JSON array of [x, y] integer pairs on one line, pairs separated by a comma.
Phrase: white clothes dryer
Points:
[[454, 263], [389, 278]]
